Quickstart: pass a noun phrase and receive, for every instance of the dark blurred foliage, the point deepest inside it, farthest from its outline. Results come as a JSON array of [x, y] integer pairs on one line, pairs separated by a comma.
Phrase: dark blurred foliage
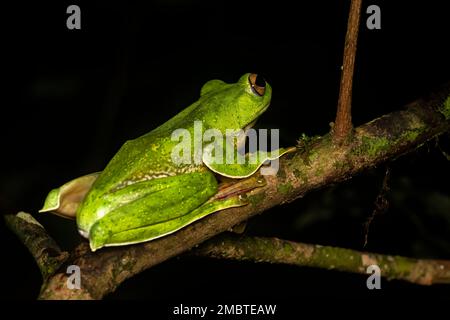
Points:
[[73, 97]]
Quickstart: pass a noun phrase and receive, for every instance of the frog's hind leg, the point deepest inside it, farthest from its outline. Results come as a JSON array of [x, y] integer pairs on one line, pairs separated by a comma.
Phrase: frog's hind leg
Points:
[[229, 195], [167, 211], [164, 228], [155, 205]]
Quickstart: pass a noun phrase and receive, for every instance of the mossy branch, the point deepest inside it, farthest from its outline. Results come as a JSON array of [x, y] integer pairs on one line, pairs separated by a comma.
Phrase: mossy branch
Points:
[[273, 250], [308, 169]]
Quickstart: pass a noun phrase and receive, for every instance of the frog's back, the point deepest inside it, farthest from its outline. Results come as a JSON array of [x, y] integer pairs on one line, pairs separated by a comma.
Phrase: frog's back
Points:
[[146, 157]]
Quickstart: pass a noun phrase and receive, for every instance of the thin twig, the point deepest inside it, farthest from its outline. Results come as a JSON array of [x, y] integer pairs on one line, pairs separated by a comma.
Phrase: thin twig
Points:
[[381, 204], [343, 124]]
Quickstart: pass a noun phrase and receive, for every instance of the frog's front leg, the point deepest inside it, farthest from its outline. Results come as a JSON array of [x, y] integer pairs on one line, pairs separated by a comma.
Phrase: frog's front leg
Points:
[[148, 209], [238, 165]]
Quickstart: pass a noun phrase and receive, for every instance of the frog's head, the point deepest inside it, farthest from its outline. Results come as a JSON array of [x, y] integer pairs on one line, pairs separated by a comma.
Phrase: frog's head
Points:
[[236, 105]]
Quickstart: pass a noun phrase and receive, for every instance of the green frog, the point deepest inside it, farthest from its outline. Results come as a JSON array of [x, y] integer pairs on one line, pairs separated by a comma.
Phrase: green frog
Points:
[[146, 192]]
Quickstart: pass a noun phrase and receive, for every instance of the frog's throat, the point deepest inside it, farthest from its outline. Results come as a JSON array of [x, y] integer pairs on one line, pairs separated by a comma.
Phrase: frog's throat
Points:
[[248, 126], [242, 138], [255, 118]]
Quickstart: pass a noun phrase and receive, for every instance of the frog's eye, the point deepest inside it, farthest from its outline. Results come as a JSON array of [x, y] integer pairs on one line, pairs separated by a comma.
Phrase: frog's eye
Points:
[[257, 83]]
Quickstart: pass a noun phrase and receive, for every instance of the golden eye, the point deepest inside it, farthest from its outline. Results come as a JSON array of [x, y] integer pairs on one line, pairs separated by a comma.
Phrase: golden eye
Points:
[[257, 83]]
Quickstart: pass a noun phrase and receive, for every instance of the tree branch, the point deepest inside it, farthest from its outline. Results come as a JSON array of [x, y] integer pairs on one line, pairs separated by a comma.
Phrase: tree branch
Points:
[[322, 164], [273, 250], [42, 247], [343, 123]]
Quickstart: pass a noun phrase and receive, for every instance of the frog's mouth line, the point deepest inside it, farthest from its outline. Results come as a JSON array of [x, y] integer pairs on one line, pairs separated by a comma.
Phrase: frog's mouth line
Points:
[[250, 125]]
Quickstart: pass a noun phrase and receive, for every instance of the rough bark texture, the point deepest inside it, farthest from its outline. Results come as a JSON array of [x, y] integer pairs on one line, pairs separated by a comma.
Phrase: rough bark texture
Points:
[[320, 164]]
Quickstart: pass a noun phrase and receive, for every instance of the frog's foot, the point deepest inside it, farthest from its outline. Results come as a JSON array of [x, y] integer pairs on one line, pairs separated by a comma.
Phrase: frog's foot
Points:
[[231, 187], [65, 200]]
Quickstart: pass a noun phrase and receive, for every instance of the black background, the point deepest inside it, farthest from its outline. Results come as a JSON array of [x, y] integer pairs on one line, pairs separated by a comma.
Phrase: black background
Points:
[[74, 96]]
